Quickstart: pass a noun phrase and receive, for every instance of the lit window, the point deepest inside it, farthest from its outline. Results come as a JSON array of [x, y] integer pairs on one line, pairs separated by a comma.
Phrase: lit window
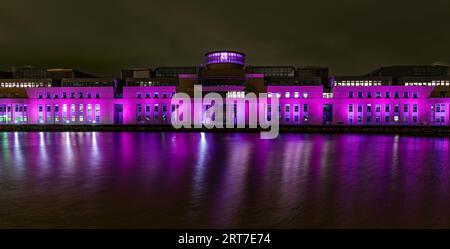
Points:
[[296, 95], [287, 95], [305, 95]]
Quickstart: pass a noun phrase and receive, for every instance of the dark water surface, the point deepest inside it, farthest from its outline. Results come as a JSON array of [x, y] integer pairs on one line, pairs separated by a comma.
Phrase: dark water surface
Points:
[[208, 180]]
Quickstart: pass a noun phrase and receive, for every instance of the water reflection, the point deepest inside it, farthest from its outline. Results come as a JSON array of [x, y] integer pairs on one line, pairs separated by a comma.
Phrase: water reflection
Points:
[[222, 180]]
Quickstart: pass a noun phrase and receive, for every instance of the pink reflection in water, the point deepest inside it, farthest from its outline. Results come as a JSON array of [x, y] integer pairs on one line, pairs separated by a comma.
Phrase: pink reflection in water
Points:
[[222, 180]]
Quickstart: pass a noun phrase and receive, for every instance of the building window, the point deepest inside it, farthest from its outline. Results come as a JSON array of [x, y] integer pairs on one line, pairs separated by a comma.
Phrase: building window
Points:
[[350, 95], [396, 95], [72, 95], [81, 112], [147, 95], [73, 112], [155, 95], [387, 108], [295, 108], [305, 107], [359, 108], [287, 107], [97, 113], [64, 113], [415, 95], [405, 108], [360, 95], [369, 95], [49, 96], [64, 96], [138, 95], [405, 95], [396, 108], [56, 96], [369, 108], [89, 112], [378, 108], [350, 108], [305, 95], [388, 95], [156, 108], [414, 107], [139, 107], [378, 95], [296, 95], [287, 95], [97, 95]]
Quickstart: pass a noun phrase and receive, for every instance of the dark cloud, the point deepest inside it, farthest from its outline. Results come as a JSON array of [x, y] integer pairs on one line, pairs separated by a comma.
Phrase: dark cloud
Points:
[[103, 36]]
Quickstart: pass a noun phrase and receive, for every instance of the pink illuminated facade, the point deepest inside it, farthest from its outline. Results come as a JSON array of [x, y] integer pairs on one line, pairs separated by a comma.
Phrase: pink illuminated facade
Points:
[[306, 95]]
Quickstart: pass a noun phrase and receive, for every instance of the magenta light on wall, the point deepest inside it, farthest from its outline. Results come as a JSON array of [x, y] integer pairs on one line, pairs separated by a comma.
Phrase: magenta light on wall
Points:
[[222, 57]]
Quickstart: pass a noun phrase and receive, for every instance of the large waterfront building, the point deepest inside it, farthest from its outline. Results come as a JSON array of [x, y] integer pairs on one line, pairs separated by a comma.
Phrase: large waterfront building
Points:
[[395, 95]]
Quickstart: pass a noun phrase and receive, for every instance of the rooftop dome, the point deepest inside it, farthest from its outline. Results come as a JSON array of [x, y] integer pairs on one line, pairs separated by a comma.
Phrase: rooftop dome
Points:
[[224, 57]]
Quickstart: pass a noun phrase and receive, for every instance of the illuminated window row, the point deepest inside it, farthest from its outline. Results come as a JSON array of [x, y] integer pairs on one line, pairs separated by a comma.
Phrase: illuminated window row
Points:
[[91, 83], [287, 95], [378, 95], [432, 83], [390, 114], [73, 95], [24, 84], [143, 83], [154, 95], [155, 113], [387, 108], [358, 83], [234, 95], [76, 114], [285, 111], [148, 107], [13, 113]]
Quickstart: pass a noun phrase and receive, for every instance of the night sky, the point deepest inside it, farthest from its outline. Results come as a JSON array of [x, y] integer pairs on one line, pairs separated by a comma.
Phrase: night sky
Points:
[[102, 36]]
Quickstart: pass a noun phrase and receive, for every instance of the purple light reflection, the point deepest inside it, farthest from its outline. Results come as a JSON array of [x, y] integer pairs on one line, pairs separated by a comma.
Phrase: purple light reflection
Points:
[[168, 180]]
